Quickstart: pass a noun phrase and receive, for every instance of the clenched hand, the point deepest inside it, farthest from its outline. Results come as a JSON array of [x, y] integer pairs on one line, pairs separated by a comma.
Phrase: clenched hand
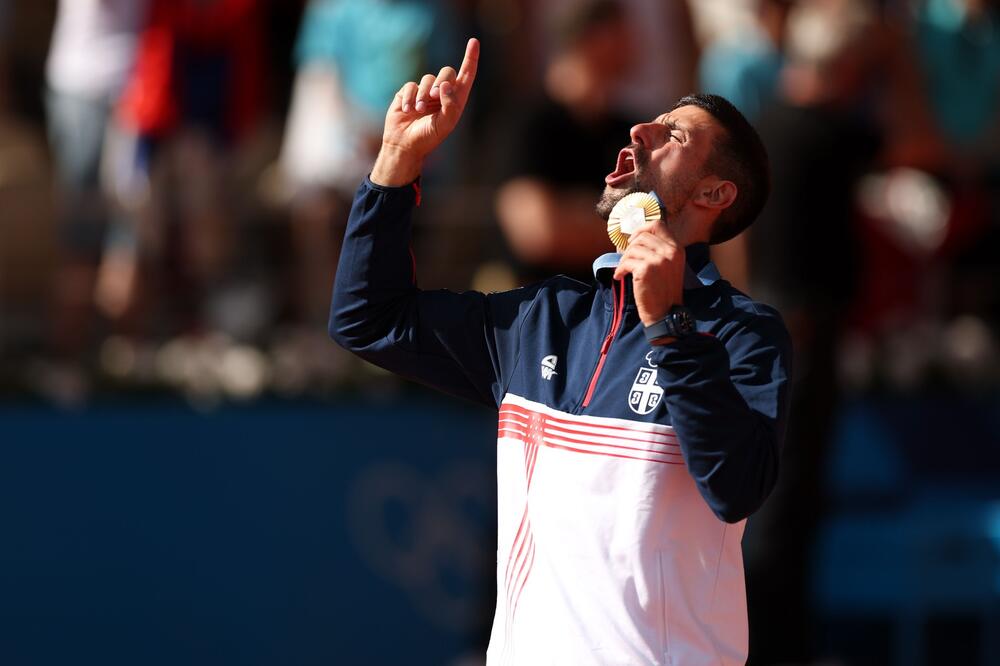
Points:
[[656, 262]]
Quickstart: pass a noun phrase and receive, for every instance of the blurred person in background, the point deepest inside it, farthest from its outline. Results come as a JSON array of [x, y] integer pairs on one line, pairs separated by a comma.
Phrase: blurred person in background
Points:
[[662, 28], [804, 258], [931, 213], [91, 56], [956, 48], [195, 99], [957, 44], [27, 228], [564, 142], [662, 33], [744, 66], [350, 56]]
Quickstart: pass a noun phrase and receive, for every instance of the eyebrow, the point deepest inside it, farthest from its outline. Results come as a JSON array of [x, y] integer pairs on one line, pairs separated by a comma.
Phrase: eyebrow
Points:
[[671, 125]]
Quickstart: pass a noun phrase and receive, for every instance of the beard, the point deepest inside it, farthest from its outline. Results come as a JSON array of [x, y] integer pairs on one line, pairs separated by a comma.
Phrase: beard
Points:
[[673, 195], [612, 195]]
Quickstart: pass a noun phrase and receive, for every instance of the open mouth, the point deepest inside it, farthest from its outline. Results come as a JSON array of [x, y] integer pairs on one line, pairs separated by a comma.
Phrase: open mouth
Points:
[[625, 169]]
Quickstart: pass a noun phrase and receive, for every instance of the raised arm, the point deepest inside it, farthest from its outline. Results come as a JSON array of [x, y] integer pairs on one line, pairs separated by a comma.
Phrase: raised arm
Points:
[[463, 344]]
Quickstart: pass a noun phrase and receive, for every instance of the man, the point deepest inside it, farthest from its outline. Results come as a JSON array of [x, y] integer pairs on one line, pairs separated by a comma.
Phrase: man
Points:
[[640, 416], [90, 56]]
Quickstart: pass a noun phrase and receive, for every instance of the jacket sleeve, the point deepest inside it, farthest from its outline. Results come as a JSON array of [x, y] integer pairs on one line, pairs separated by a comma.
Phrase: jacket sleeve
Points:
[[728, 403], [464, 344]]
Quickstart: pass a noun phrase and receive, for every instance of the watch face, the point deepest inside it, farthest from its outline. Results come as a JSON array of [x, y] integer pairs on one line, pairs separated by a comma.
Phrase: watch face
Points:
[[676, 324], [682, 321]]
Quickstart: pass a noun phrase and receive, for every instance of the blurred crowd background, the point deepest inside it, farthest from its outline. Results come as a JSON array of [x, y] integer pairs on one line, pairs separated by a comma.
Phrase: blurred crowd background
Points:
[[175, 176]]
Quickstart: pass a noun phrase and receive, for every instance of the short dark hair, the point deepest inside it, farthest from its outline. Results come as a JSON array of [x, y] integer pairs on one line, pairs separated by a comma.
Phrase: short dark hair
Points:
[[738, 155]]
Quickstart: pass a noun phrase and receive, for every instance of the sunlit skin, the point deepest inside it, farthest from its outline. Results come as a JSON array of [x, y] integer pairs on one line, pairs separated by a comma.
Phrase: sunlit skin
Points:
[[420, 117], [670, 153]]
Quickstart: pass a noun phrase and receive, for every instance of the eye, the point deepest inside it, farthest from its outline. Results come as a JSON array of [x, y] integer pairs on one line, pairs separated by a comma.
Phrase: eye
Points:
[[675, 136]]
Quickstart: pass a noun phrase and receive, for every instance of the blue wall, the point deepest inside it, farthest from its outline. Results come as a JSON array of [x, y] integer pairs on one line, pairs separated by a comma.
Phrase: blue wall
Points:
[[272, 534], [360, 533]]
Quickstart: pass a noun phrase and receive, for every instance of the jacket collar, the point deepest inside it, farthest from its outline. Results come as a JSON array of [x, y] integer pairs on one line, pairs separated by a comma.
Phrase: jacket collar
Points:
[[699, 272]]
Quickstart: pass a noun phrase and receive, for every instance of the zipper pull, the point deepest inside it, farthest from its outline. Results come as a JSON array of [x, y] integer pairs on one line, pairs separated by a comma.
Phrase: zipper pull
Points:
[[605, 345]]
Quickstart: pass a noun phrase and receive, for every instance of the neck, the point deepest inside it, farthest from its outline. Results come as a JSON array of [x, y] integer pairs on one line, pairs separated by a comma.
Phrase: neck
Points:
[[688, 229]]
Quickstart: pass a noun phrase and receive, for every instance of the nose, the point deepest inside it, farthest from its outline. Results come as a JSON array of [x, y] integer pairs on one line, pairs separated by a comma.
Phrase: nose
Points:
[[646, 134]]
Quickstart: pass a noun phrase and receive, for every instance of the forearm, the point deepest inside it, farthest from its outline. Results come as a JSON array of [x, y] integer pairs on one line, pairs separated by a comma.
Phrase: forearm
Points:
[[452, 342], [375, 272]]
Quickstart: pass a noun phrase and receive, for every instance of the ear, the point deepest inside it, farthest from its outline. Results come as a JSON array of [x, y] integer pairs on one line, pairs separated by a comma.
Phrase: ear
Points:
[[716, 193]]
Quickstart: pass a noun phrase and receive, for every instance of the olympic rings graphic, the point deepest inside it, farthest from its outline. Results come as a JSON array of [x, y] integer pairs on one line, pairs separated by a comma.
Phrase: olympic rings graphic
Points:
[[427, 536]]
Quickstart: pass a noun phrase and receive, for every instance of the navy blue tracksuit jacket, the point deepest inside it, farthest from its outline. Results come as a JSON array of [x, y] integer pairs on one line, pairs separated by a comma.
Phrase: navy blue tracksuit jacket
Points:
[[569, 368]]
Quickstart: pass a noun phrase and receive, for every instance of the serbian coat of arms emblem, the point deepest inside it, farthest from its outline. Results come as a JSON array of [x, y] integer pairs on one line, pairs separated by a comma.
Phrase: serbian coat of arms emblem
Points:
[[645, 394]]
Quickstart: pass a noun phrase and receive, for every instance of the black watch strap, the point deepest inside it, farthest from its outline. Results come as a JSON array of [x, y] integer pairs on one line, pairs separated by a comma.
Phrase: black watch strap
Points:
[[677, 324]]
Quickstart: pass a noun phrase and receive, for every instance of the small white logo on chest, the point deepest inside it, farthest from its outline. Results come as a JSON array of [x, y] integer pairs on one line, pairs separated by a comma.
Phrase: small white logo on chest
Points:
[[549, 367], [645, 394]]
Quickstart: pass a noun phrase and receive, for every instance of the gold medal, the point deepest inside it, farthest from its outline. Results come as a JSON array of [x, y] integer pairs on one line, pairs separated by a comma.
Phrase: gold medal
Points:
[[631, 212]]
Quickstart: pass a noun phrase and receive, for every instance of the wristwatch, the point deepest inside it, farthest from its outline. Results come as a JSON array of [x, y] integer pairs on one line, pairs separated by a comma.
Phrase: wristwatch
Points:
[[677, 324]]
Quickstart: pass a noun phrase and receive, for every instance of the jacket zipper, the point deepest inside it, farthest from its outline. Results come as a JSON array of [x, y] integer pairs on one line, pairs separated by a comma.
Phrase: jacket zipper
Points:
[[618, 307]]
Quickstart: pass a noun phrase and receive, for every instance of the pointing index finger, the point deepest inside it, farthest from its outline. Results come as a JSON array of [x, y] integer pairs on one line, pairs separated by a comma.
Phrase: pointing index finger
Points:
[[470, 63]]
